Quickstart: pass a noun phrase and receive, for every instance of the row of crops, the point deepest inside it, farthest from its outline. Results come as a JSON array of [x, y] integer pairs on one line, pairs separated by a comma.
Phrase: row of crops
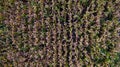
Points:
[[59, 33]]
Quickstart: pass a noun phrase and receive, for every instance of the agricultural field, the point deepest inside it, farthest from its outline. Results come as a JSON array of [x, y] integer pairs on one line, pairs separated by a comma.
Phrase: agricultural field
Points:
[[59, 33]]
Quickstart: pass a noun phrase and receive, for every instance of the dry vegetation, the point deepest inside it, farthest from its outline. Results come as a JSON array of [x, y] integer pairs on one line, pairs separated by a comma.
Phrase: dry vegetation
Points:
[[59, 33]]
